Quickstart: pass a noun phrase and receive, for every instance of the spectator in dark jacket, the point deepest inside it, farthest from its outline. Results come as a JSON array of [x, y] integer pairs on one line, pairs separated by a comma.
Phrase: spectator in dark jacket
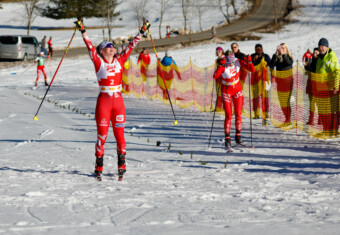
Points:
[[311, 65], [237, 53], [282, 60], [258, 55]]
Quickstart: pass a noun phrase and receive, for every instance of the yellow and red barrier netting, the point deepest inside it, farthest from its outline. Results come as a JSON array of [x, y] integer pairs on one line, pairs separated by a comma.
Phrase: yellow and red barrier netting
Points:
[[288, 99]]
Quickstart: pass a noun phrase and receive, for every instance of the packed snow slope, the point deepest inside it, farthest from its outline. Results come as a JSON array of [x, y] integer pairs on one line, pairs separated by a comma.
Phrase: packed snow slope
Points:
[[288, 184]]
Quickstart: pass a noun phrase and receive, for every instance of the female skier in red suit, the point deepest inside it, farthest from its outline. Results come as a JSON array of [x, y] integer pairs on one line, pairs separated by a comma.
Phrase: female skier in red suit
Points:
[[110, 107]]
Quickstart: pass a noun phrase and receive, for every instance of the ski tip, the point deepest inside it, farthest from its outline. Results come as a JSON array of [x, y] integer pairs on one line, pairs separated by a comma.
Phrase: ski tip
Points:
[[35, 118], [13, 73], [175, 122]]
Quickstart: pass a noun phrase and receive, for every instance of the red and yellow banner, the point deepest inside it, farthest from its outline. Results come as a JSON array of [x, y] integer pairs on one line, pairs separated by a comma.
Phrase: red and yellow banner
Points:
[[287, 99]]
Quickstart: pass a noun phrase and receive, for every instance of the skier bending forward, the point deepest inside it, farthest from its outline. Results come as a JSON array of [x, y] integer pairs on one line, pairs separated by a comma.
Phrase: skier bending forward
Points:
[[110, 107], [228, 73]]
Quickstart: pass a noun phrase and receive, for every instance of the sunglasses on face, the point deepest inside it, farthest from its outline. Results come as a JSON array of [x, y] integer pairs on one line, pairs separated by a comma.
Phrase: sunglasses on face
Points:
[[106, 44]]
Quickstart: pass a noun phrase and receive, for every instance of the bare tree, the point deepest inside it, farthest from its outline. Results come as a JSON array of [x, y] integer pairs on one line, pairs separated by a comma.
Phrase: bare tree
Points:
[[163, 5], [141, 10], [185, 10], [30, 13], [109, 13], [201, 6], [224, 6], [232, 2], [275, 9]]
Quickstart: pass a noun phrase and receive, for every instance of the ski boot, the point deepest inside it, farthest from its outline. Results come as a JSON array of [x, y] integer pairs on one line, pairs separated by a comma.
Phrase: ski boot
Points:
[[36, 84], [238, 138], [99, 167], [228, 143], [46, 84], [121, 166]]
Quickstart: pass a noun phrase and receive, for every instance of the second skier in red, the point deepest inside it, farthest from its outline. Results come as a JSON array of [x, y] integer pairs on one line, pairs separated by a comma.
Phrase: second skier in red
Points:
[[228, 74]]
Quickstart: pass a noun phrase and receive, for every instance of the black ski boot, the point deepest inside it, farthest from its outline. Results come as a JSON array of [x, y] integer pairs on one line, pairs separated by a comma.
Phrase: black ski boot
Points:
[[238, 138], [99, 167], [121, 166], [227, 141]]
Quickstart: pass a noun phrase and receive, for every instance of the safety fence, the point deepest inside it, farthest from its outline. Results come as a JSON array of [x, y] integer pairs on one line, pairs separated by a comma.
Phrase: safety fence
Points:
[[287, 99]]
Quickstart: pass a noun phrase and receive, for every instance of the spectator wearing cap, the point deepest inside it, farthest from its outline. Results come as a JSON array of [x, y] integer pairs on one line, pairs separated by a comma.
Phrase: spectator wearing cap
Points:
[[236, 50], [259, 55], [327, 63], [219, 54]]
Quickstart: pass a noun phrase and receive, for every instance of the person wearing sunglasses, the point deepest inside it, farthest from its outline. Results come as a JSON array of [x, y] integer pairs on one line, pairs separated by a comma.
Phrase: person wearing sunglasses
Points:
[[238, 54], [110, 107], [228, 75]]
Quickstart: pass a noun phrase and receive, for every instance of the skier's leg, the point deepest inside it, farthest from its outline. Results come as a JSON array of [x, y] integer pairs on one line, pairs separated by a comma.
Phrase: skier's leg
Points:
[[238, 104], [38, 76], [118, 123], [45, 76], [103, 116], [228, 112]]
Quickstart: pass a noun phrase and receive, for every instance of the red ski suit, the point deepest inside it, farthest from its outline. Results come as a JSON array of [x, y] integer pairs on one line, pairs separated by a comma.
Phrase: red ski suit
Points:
[[231, 92], [110, 105]]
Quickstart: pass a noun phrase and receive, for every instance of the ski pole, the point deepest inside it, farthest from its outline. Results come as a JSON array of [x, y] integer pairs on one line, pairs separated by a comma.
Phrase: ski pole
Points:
[[36, 114], [251, 127], [166, 88], [212, 124], [24, 70]]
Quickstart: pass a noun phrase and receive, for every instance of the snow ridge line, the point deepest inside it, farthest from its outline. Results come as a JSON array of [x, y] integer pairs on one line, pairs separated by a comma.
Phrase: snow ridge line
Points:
[[56, 103]]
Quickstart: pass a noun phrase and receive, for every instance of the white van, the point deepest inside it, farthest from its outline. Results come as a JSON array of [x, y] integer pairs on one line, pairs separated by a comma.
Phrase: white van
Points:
[[19, 47]]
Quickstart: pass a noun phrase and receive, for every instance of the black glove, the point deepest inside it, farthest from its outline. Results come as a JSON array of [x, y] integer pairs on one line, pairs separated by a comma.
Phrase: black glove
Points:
[[145, 27], [79, 24]]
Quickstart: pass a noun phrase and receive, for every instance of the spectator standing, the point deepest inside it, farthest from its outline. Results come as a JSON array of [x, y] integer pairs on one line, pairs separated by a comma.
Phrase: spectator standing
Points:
[[307, 57], [256, 87], [50, 48], [144, 56], [311, 68], [259, 55], [283, 60], [237, 53], [43, 45], [327, 63]]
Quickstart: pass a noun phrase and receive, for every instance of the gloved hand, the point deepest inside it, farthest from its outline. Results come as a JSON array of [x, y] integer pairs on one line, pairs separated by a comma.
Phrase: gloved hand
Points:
[[249, 59], [145, 27], [79, 24], [268, 86], [221, 61]]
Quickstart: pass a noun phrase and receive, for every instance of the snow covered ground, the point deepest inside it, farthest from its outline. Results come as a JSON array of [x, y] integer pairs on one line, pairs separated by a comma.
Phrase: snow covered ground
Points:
[[288, 184]]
